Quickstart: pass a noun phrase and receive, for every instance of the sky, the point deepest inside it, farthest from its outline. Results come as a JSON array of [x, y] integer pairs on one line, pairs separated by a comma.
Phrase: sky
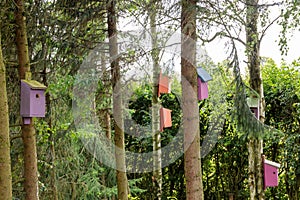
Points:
[[269, 46]]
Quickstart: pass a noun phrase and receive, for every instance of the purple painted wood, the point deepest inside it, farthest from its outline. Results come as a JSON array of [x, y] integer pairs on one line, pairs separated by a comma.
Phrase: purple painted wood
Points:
[[202, 90], [32, 100], [26, 120], [270, 174]]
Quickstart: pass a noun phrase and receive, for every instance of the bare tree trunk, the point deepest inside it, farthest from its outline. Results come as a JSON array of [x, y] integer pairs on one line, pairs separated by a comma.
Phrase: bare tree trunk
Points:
[[117, 102], [157, 172], [5, 169], [28, 131], [192, 160], [255, 145]]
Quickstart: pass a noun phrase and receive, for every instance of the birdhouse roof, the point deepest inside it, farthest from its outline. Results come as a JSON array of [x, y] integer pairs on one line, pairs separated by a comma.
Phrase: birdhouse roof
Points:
[[252, 102], [274, 164], [34, 84], [203, 75]]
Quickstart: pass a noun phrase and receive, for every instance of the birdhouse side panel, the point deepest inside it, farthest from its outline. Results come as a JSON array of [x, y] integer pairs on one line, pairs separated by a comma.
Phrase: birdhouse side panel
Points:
[[202, 90], [37, 103], [167, 118], [270, 175], [25, 100]]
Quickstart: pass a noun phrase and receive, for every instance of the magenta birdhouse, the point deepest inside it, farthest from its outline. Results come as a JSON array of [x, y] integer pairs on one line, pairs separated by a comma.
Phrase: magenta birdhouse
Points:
[[163, 84], [33, 103], [270, 173], [165, 118], [203, 78]]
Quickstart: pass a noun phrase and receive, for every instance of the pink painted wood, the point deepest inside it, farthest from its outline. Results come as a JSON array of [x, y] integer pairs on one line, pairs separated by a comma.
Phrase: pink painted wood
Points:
[[270, 174], [202, 90]]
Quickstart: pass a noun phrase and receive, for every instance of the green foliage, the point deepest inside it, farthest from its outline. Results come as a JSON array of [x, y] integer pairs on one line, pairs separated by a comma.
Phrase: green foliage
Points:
[[282, 88]]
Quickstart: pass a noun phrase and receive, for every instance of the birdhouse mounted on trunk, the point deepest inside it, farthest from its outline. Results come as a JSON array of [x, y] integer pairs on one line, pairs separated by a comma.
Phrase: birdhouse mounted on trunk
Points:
[[203, 78], [165, 118], [270, 173], [33, 103], [164, 85], [253, 104]]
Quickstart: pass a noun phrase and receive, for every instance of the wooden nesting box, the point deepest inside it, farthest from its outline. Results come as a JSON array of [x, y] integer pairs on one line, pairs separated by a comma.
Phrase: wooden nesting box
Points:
[[270, 173], [253, 104], [165, 118], [163, 84], [203, 78], [33, 103]]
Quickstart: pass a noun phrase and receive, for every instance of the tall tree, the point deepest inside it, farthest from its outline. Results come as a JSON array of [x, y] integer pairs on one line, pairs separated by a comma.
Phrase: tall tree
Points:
[[255, 145], [157, 172], [28, 130], [118, 121], [192, 161], [5, 168]]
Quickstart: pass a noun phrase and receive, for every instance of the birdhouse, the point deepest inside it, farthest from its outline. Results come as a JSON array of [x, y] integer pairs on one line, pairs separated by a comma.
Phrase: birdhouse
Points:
[[270, 173], [33, 101], [253, 104], [165, 118], [164, 85], [203, 78]]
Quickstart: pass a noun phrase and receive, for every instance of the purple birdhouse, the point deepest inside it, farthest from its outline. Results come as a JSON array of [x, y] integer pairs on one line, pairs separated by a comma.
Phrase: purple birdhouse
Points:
[[270, 173], [203, 78], [33, 101], [165, 118]]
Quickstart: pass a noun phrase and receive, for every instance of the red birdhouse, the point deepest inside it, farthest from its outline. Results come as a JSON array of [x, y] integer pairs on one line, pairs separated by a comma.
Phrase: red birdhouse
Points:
[[163, 84], [270, 173], [203, 78], [165, 118]]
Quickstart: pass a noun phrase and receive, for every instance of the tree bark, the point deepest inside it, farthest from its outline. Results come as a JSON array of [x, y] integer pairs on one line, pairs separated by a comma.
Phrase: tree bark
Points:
[[255, 145], [157, 171], [118, 121], [5, 165], [28, 131], [192, 160]]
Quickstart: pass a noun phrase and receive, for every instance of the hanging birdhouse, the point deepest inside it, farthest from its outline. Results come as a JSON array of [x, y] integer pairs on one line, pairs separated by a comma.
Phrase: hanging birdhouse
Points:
[[253, 104], [203, 78], [33, 103], [270, 173], [164, 85], [165, 118]]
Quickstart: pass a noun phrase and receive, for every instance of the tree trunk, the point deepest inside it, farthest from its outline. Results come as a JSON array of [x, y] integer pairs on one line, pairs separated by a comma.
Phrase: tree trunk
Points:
[[157, 172], [255, 145], [5, 169], [118, 121], [192, 160], [28, 131]]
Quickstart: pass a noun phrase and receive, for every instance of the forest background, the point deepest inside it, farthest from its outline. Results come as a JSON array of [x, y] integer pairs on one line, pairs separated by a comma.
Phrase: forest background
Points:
[[68, 48]]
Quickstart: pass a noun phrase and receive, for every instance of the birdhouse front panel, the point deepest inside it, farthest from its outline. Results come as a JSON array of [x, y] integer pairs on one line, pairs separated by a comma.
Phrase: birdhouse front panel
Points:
[[33, 102], [202, 89], [271, 173], [163, 84], [165, 118]]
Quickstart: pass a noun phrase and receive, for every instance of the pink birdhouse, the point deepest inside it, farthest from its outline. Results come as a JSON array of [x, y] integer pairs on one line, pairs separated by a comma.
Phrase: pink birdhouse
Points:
[[270, 173], [33, 103], [165, 118], [163, 84], [203, 78], [202, 89]]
